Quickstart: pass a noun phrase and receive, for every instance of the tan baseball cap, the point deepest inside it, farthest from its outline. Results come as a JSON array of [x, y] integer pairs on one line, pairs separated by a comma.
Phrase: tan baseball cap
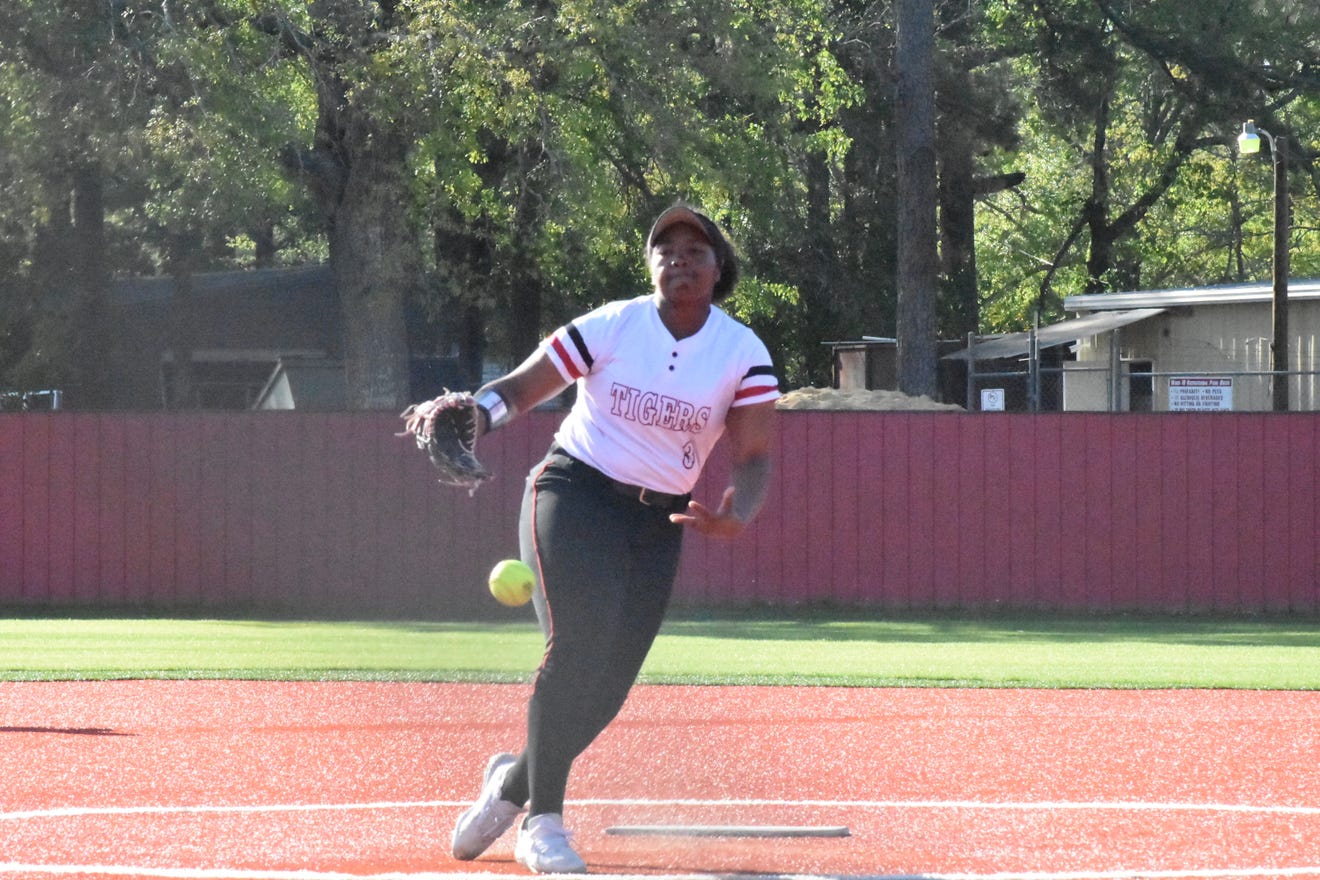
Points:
[[681, 214]]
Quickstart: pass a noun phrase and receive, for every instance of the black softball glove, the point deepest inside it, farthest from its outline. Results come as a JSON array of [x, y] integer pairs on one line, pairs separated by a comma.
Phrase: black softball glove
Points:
[[446, 429]]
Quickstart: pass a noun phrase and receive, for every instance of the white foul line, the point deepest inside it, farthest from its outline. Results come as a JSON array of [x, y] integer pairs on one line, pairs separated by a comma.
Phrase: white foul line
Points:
[[249, 874], [1025, 806], [67, 812], [240, 874]]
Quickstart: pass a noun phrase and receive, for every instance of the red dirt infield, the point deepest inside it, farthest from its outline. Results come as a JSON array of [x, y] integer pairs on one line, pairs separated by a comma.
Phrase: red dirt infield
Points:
[[320, 781]]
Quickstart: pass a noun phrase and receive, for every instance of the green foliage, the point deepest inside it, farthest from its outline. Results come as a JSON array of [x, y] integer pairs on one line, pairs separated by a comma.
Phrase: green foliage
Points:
[[1161, 89], [217, 150], [769, 308], [629, 106], [539, 139], [20, 207]]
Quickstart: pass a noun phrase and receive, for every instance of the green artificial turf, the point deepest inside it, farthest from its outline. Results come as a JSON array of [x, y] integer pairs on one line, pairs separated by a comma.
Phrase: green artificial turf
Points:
[[694, 647]]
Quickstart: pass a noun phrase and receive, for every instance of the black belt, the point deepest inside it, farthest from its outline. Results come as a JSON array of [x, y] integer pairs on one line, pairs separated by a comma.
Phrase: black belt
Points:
[[649, 497]]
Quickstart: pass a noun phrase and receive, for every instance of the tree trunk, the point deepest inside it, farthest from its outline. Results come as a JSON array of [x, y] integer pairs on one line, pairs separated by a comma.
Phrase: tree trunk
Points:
[[815, 271], [90, 281], [917, 196], [374, 260], [526, 289], [180, 391], [961, 312], [1096, 210], [465, 260], [357, 173]]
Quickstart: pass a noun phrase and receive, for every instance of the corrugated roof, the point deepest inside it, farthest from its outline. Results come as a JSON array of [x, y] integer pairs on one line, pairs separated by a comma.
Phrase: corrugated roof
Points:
[[1190, 296], [1062, 333]]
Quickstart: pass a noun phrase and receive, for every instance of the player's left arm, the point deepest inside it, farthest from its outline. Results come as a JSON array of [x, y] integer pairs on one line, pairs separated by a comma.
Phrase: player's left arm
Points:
[[750, 431], [530, 384]]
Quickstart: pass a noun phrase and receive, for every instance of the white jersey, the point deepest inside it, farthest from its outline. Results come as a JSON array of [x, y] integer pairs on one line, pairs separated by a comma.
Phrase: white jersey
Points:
[[649, 407]]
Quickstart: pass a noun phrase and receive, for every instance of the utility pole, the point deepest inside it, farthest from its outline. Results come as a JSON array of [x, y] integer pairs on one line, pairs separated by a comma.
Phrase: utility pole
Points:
[[1281, 265]]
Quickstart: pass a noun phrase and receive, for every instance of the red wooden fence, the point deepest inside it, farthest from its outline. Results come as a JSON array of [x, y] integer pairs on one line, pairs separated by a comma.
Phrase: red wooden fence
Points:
[[330, 514]]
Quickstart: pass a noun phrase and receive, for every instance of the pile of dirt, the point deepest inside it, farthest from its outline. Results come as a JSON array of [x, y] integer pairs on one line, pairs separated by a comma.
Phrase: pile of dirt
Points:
[[858, 399]]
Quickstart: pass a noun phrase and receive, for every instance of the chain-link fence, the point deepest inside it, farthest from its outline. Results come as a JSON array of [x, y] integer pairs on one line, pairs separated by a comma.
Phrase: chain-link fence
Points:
[[31, 401], [1016, 374], [1047, 383]]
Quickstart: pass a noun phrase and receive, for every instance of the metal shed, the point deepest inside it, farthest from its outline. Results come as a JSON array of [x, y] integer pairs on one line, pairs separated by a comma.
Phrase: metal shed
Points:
[[1195, 348], [1186, 338]]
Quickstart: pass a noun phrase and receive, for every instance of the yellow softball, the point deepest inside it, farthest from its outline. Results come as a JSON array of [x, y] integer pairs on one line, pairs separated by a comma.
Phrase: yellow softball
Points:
[[512, 583]]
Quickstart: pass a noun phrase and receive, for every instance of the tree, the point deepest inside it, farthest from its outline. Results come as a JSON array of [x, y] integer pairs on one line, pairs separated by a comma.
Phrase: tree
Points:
[[123, 167], [1129, 99], [356, 168], [978, 113], [477, 173], [74, 114], [571, 130], [917, 197]]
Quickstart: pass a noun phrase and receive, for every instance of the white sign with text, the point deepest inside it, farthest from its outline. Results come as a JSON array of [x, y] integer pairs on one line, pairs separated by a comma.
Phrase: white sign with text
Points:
[[1200, 394]]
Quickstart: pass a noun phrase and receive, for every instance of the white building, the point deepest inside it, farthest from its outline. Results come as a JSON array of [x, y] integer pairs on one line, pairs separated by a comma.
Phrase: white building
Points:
[[1195, 348], [1200, 348]]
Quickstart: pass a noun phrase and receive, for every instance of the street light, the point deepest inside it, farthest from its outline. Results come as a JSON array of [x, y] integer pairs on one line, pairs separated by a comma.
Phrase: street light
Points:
[[1248, 145]]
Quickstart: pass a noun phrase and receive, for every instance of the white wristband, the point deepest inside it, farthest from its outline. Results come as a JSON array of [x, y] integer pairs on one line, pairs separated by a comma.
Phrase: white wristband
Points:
[[495, 407]]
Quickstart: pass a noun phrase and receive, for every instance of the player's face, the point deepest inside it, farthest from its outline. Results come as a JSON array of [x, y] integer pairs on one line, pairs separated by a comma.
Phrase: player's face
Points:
[[683, 265]]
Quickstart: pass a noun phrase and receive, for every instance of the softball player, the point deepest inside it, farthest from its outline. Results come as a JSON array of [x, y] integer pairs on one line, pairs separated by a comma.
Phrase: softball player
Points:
[[660, 379]]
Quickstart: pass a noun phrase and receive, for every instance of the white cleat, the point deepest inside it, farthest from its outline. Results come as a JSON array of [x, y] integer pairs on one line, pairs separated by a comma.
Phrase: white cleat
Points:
[[543, 846], [486, 820]]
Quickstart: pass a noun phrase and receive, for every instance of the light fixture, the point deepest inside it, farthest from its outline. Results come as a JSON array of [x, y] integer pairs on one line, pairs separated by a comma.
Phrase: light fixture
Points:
[[1249, 140]]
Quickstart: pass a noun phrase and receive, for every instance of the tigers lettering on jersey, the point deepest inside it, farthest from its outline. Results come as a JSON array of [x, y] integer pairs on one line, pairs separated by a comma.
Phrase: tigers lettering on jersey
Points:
[[659, 410], [648, 407]]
